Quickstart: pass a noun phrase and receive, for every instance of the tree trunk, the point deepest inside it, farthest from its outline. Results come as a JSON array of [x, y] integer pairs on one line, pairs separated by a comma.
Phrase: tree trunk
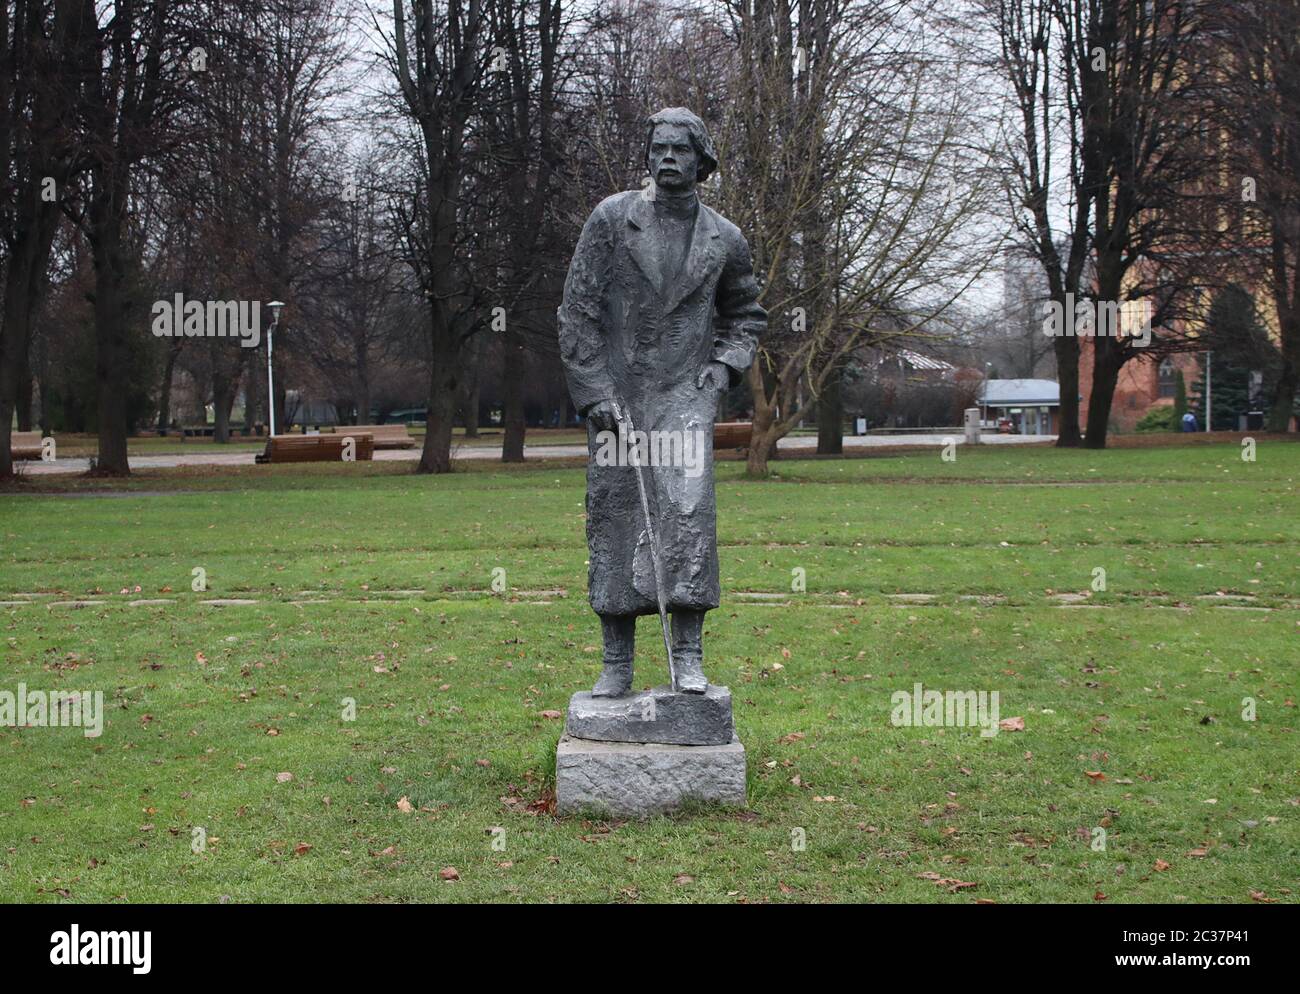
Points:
[[1106, 364], [830, 414], [26, 274], [761, 445], [37, 144], [198, 414], [762, 440], [362, 388], [470, 386], [254, 390], [1067, 374], [1108, 353], [6, 411], [280, 399], [223, 396], [514, 369], [469, 408], [1282, 409], [165, 393], [45, 408], [441, 412], [111, 353], [76, 413], [25, 394]]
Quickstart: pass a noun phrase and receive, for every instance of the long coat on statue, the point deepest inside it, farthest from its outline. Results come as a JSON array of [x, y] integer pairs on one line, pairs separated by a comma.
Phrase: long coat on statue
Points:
[[631, 333]]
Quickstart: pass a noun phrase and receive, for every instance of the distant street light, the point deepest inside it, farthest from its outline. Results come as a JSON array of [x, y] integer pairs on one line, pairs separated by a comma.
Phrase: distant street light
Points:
[[275, 306]]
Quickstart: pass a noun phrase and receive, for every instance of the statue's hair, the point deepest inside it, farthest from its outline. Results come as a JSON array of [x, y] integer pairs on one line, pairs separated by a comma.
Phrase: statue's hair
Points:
[[699, 135]]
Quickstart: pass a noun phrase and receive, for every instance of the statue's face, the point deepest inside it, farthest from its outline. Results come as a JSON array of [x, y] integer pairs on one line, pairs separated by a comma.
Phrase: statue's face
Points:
[[673, 160]]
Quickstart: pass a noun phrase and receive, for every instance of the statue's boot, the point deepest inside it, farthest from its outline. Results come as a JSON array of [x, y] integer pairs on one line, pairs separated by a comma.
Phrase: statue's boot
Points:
[[688, 653], [619, 632]]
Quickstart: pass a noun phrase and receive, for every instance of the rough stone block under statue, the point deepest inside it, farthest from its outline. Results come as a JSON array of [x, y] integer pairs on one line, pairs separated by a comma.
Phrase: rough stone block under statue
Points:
[[638, 779], [657, 715]]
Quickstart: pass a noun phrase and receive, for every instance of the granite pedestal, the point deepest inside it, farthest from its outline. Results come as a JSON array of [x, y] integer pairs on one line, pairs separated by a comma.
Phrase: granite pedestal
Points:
[[638, 779], [647, 753]]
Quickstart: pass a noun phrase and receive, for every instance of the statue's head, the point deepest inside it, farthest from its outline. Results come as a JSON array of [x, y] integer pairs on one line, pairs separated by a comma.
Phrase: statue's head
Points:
[[678, 151]]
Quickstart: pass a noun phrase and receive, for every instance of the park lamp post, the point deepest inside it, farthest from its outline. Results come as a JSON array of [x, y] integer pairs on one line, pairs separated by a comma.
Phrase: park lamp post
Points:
[[275, 306]]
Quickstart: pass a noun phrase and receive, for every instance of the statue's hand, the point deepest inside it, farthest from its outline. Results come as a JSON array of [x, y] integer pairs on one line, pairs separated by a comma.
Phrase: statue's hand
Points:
[[602, 416], [717, 373]]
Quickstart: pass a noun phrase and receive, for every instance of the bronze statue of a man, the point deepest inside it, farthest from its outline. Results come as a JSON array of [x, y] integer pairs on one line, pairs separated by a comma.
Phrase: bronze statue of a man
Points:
[[660, 317]]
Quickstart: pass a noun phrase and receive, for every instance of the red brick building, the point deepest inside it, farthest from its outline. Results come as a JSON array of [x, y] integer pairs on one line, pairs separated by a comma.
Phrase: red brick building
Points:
[[1144, 383]]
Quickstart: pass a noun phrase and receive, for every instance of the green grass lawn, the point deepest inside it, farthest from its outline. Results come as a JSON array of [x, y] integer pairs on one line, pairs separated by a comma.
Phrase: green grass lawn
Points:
[[373, 585]]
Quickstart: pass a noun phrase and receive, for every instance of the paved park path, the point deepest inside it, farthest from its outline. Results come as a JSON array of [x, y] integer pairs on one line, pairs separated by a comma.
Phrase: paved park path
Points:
[[797, 443]]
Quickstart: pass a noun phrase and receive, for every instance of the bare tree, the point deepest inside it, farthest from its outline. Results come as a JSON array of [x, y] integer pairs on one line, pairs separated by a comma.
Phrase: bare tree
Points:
[[38, 98], [438, 60], [855, 172], [1257, 100], [138, 65], [294, 73], [1104, 175], [356, 289], [1138, 93], [520, 129], [1045, 152]]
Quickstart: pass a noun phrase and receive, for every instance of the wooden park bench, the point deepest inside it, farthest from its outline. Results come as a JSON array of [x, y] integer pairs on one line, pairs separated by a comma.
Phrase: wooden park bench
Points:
[[385, 436], [25, 445], [732, 434], [317, 448]]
